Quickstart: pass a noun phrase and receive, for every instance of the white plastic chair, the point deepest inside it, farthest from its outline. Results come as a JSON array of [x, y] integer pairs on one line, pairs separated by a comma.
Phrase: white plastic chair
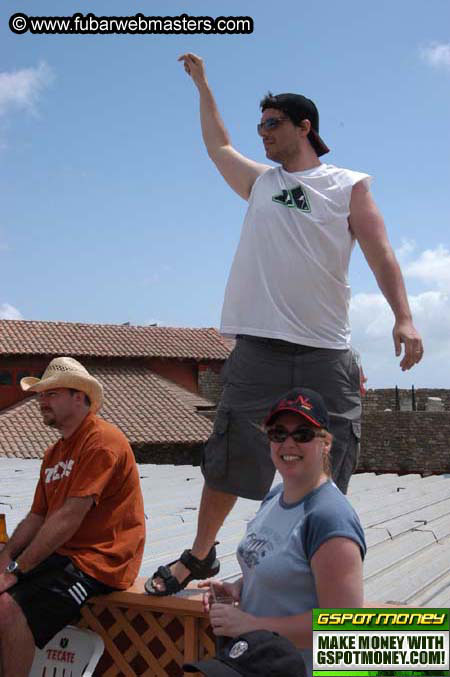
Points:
[[71, 653]]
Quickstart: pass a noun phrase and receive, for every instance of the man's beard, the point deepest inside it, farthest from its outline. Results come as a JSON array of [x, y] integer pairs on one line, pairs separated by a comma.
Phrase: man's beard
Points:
[[48, 418]]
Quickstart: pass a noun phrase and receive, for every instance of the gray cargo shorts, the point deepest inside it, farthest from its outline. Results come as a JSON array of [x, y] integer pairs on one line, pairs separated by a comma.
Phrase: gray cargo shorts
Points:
[[236, 458]]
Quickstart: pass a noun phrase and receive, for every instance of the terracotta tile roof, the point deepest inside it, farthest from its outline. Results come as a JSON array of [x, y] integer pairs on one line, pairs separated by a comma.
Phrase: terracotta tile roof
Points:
[[146, 407], [23, 337]]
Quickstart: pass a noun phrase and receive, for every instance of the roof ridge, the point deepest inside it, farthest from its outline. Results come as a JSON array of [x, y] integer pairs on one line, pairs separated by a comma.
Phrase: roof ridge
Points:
[[123, 326], [77, 339]]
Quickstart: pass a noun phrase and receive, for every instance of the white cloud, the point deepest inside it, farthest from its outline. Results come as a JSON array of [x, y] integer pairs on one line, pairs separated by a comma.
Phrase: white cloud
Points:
[[372, 319], [370, 315], [437, 54], [405, 250], [8, 312], [21, 88], [432, 266], [372, 322]]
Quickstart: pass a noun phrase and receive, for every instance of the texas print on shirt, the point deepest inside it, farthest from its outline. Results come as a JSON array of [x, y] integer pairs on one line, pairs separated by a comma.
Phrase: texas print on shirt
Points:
[[60, 470]]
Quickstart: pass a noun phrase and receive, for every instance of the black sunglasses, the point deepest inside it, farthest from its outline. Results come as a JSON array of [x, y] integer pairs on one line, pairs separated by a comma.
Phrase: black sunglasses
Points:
[[301, 435], [270, 123]]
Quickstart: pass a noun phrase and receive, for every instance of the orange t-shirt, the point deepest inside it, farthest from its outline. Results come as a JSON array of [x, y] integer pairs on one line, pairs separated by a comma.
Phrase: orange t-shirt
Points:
[[97, 460]]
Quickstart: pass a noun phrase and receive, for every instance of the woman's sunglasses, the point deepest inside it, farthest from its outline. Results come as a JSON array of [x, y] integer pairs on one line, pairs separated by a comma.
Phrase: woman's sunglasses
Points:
[[302, 435]]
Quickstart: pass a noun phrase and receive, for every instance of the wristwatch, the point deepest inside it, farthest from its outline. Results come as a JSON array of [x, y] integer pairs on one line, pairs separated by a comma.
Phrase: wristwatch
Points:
[[13, 568]]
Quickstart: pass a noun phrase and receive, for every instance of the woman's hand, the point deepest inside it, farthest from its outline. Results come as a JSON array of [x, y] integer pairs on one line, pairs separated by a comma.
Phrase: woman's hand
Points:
[[221, 589], [230, 621]]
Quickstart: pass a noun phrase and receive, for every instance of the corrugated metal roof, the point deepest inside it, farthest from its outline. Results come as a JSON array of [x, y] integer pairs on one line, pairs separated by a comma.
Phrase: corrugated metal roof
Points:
[[406, 520]]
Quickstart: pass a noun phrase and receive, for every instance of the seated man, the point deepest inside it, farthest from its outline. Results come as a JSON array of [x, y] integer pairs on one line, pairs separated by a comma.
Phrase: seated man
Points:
[[85, 532]]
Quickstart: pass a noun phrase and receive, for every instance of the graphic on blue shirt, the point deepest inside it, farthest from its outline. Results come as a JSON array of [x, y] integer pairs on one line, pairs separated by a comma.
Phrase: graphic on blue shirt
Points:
[[255, 548]]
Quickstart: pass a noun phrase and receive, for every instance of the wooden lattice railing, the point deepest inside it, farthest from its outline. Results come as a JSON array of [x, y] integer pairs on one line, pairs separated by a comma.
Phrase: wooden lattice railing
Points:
[[147, 635], [152, 636]]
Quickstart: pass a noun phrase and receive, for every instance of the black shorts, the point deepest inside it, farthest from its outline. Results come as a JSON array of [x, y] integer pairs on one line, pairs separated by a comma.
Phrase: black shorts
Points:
[[51, 595], [236, 458]]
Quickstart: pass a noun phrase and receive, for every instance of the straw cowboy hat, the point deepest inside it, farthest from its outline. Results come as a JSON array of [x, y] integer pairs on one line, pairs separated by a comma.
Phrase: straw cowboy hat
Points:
[[65, 372]]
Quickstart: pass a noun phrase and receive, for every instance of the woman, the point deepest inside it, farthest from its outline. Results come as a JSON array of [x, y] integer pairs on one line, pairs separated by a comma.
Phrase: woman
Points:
[[305, 546]]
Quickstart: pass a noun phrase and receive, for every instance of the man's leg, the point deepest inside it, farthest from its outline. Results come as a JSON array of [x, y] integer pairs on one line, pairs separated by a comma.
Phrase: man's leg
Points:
[[16, 641], [344, 452], [237, 456], [335, 375], [44, 601], [214, 508]]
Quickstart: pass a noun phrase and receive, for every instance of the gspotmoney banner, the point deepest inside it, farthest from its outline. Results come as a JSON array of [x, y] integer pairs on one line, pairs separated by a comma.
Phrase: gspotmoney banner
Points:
[[381, 642]]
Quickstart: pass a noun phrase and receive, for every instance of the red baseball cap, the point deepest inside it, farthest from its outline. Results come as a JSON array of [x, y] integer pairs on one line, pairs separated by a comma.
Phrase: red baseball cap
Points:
[[302, 401]]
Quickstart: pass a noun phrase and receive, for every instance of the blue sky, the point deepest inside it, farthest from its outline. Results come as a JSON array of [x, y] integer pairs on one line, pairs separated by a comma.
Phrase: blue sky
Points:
[[111, 211]]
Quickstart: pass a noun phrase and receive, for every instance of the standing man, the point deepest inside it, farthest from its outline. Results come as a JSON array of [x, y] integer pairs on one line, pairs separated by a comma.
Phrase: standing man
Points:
[[286, 302], [85, 532]]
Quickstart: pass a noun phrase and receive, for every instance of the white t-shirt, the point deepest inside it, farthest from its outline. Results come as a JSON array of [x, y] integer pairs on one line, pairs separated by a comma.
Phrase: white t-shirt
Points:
[[289, 277]]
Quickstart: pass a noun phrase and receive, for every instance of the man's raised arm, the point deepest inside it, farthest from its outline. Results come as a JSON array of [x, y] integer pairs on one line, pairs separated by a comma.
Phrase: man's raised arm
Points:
[[238, 171]]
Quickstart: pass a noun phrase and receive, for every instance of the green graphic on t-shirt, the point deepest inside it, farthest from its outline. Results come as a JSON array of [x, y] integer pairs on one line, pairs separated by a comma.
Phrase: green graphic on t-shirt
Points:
[[294, 198]]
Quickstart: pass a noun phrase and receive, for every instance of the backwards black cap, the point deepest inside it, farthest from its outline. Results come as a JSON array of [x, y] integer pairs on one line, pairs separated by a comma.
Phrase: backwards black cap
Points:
[[300, 108]]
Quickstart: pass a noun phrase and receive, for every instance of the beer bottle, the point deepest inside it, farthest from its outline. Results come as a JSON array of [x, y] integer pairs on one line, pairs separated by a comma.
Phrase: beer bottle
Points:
[[3, 532]]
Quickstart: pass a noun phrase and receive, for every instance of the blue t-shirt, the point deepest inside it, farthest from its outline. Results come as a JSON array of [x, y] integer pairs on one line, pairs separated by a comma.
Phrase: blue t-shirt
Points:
[[275, 554]]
